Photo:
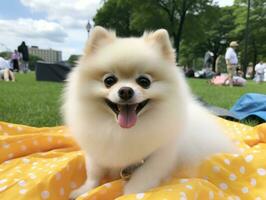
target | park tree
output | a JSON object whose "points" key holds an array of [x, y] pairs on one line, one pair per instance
{"points": [[194, 26], [174, 14], [212, 30], [133, 16], [115, 14], [33, 59], [5, 54], [256, 31], [73, 59], [219, 32]]}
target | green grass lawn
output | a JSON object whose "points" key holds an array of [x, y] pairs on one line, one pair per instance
{"points": [[30, 102], [223, 96], [36, 103]]}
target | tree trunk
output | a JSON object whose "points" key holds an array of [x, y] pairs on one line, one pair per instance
{"points": [[178, 35], [215, 55], [177, 46], [255, 57], [215, 52]]}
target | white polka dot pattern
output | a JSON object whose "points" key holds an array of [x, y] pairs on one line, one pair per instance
{"points": [[140, 196], [61, 170]]}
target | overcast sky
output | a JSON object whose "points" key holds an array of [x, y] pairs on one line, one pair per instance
{"points": [[56, 24]]}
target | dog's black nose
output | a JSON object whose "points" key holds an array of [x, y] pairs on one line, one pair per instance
{"points": [[126, 93]]}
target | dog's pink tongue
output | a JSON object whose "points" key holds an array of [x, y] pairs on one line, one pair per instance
{"points": [[127, 116]]}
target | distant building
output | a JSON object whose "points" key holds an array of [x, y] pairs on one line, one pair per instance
{"points": [[48, 55]]}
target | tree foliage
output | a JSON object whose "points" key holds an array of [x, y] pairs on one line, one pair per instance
{"points": [[72, 60], [212, 30], [33, 60], [5, 54], [134, 16], [195, 26], [257, 29], [115, 14]]}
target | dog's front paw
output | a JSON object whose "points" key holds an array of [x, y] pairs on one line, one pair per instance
{"points": [[131, 189], [136, 185], [89, 185]]}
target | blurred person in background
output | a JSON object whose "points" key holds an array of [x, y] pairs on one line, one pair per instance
{"points": [[259, 70], [23, 49], [5, 72], [231, 61], [15, 60]]}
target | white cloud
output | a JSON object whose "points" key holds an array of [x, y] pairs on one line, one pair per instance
{"points": [[43, 34], [62, 28], [29, 28], [69, 13]]}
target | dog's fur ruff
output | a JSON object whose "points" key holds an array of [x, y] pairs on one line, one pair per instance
{"points": [[171, 130]]}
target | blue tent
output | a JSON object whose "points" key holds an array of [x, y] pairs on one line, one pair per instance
{"points": [[250, 104]]}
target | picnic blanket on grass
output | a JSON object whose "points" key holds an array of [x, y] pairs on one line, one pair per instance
{"points": [[250, 104], [45, 163]]}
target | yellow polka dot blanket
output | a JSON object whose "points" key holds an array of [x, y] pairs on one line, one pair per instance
{"points": [[46, 163]]}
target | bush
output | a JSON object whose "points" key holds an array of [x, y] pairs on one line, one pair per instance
{"points": [[72, 60], [5, 54], [33, 60]]}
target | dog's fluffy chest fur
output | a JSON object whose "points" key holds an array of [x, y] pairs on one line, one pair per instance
{"points": [[118, 148]]}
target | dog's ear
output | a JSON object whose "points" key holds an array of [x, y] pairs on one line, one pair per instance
{"points": [[162, 40], [98, 38]]}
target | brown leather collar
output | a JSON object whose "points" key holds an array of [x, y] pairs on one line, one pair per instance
{"points": [[126, 172]]}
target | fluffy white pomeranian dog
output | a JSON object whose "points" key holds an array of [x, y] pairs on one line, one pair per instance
{"points": [[126, 101]]}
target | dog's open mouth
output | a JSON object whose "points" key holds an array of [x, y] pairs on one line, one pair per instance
{"points": [[126, 113]]}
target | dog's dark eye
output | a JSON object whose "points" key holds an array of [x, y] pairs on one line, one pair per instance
{"points": [[143, 82], [110, 80]]}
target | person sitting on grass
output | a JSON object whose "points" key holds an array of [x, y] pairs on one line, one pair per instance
{"points": [[5, 72], [224, 80]]}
